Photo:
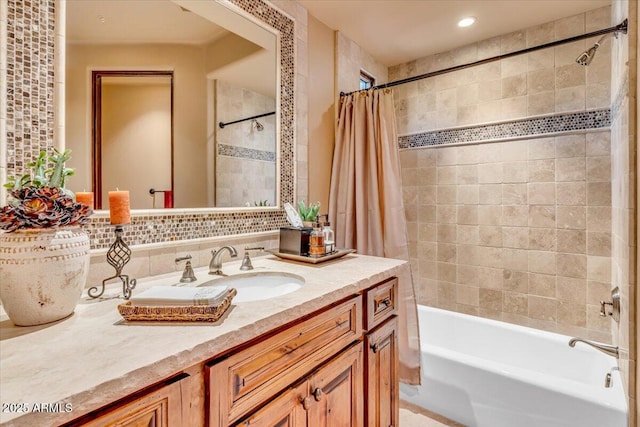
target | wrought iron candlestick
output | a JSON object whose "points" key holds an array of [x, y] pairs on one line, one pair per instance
{"points": [[118, 256]]}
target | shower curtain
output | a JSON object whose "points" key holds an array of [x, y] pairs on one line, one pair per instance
{"points": [[365, 202]]}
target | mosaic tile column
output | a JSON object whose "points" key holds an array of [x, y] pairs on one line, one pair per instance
{"points": [[29, 81]]}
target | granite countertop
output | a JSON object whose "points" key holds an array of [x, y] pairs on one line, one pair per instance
{"points": [[94, 357]]}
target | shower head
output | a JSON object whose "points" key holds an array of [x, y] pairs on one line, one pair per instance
{"points": [[259, 126], [586, 57]]}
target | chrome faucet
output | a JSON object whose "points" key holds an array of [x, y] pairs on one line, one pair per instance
{"points": [[246, 261], [606, 349], [215, 266]]}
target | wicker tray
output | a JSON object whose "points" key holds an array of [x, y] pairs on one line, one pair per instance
{"points": [[191, 313]]}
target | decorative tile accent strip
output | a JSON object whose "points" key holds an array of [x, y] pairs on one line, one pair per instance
{"points": [[518, 128], [246, 153], [30, 126]]}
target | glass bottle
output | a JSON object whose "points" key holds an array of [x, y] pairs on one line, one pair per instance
{"points": [[329, 240], [316, 241]]}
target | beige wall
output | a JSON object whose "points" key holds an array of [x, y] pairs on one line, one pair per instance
{"points": [[321, 111], [190, 90]]}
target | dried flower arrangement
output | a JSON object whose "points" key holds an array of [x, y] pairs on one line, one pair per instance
{"points": [[40, 200]]}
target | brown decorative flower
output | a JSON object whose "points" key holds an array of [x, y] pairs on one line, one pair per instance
{"points": [[39, 200]]}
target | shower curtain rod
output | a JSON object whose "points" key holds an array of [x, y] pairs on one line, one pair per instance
{"points": [[622, 27], [222, 125]]}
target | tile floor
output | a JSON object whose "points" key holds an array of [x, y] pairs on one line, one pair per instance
{"points": [[414, 416]]}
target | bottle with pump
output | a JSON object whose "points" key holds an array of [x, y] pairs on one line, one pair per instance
{"points": [[316, 241], [329, 239]]}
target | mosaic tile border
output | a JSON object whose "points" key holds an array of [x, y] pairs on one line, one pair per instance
{"points": [[30, 55], [596, 119], [246, 153]]}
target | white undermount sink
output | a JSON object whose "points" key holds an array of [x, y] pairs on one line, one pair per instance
{"points": [[259, 285]]}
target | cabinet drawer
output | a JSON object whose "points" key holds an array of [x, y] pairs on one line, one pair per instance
{"points": [[252, 376], [381, 303]]}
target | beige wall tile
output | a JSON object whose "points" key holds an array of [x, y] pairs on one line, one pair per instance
{"points": [[572, 314], [570, 146], [542, 216], [515, 237], [599, 193], [467, 275], [514, 86], [571, 169], [543, 285], [572, 241], [598, 144], [490, 278], [490, 299], [571, 290], [540, 59], [543, 308], [542, 262], [514, 194], [446, 272], [467, 174], [599, 168], [446, 252], [468, 194], [571, 217], [489, 173], [599, 268], [515, 303], [542, 239], [599, 218], [427, 195], [542, 148], [571, 99], [426, 176], [572, 265], [468, 234], [447, 194], [599, 243], [467, 295], [489, 214], [467, 214], [490, 235], [541, 80], [542, 170], [446, 233], [542, 193], [490, 194], [515, 281], [515, 215], [571, 193], [515, 172], [569, 76], [515, 259]]}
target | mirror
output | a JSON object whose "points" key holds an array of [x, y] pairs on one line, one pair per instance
{"points": [[222, 144]]}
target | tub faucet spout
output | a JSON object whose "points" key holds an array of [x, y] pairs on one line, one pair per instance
{"points": [[606, 349]]}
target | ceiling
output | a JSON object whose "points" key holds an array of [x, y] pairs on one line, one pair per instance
{"points": [[125, 21], [398, 31]]}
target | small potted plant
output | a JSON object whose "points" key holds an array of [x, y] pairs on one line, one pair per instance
{"points": [[44, 253], [308, 214]]}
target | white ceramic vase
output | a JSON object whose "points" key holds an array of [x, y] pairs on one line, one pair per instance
{"points": [[42, 273]]}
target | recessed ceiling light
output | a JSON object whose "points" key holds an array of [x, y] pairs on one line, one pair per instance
{"points": [[466, 22]]}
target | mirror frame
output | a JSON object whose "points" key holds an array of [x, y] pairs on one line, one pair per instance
{"points": [[158, 225]]}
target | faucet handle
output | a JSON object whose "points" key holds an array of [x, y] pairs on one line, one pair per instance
{"points": [[614, 303], [246, 261], [188, 275]]}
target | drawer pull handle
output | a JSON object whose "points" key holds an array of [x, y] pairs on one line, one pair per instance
{"points": [[386, 301], [306, 403], [317, 394], [377, 346]]}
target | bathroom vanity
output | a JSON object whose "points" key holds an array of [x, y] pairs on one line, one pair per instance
{"points": [[326, 354]]}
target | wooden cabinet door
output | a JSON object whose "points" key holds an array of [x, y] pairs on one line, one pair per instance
{"points": [[336, 391], [287, 410], [160, 408], [381, 376]]}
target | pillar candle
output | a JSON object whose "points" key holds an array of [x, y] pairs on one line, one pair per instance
{"points": [[119, 209], [85, 197]]}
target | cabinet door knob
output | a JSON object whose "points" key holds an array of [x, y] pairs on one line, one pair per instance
{"points": [[306, 403], [317, 394]]}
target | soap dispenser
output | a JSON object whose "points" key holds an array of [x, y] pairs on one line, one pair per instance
{"points": [[329, 238], [316, 241]]}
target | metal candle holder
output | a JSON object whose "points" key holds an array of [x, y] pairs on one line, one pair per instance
{"points": [[118, 256]]}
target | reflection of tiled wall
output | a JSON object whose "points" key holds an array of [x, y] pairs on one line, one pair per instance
{"points": [[516, 224], [245, 158], [623, 161], [31, 24]]}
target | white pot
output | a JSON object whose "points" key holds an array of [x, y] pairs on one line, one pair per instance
{"points": [[42, 273]]}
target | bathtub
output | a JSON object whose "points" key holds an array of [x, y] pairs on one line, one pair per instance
{"points": [[486, 373]]}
